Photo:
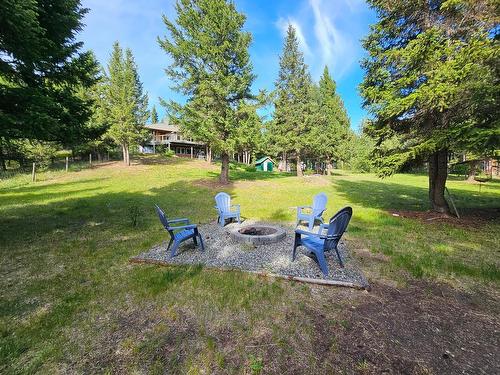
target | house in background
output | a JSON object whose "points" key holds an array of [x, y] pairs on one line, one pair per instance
{"points": [[170, 136], [265, 164]]}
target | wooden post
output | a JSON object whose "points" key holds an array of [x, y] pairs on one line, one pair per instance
{"points": [[67, 163], [33, 174], [90, 160], [191, 152]]}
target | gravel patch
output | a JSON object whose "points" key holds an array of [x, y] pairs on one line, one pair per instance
{"points": [[274, 259]]}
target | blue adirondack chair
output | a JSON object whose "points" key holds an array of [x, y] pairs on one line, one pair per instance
{"points": [[318, 243], [314, 212], [179, 233], [225, 209]]}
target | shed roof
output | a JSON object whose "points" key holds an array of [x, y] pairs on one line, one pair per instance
{"points": [[263, 159]]}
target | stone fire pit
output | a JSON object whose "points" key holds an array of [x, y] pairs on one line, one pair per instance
{"points": [[232, 247], [258, 234]]}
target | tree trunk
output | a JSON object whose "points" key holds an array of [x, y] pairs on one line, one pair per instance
{"points": [[124, 155], [224, 171], [3, 165], [209, 154], [300, 173], [329, 167], [473, 166], [438, 172], [285, 161]]}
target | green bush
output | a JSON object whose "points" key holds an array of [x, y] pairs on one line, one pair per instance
{"points": [[42, 153], [459, 169], [62, 154], [168, 153]]}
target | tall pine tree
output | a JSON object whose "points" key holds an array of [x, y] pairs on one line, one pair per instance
{"points": [[154, 115], [293, 115], [432, 81], [126, 101], [41, 70], [211, 67], [331, 130]]}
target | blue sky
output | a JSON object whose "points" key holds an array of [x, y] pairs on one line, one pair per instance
{"points": [[329, 33]]}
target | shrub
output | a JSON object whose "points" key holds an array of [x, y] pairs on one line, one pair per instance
{"points": [[42, 153], [169, 153], [135, 214], [461, 169], [62, 154]]}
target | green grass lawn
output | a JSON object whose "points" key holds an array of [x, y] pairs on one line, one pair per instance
{"points": [[71, 301]]}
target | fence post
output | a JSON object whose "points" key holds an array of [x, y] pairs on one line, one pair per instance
{"points": [[90, 160], [67, 163], [33, 174]]}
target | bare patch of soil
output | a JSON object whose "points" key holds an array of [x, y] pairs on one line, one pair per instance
{"points": [[420, 329], [424, 328], [468, 217], [212, 183]]}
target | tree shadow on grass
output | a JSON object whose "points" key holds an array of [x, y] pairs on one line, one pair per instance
{"points": [[38, 188], [383, 195], [393, 196], [112, 210]]}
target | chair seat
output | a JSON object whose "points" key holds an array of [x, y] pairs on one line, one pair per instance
{"points": [[183, 234], [313, 243], [308, 216]]}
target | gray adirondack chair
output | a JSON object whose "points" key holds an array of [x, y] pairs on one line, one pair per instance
{"points": [[318, 243], [314, 212], [179, 233], [225, 209]]}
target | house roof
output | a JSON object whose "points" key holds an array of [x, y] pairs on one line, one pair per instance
{"points": [[163, 126], [263, 159]]}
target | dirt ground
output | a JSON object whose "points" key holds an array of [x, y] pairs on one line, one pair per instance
{"points": [[468, 217], [421, 328]]}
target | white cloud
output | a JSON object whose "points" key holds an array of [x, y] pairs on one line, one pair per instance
{"points": [[337, 49], [332, 32], [282, 24]]}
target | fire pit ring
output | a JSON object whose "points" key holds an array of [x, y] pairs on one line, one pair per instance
{"points": [[258, 234]]}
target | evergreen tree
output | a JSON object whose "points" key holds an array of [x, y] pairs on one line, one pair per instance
{"points": [[154, 115], [432, 81], [126, 102], [293, 115], [211, 67], [41, 69], [98, 124], [250, 128], [331, 131]]}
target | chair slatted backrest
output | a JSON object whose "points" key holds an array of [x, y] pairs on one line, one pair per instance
{"points": [[223, 202], [337, 227], [164, 220], [319, 204]]}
